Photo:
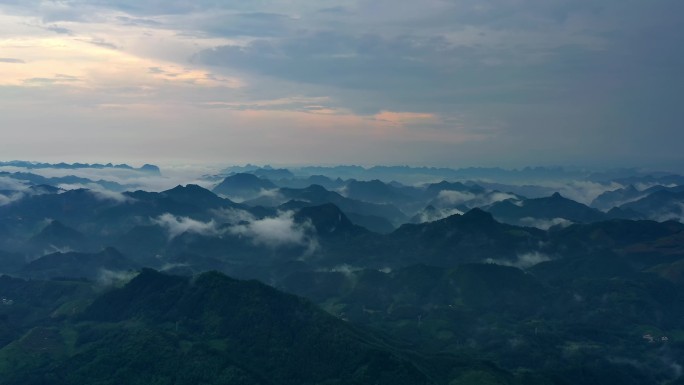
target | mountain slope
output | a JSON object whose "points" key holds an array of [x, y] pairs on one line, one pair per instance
{"points": [[170, 330], [77, 265], [555, 206], [243, 186], [472, 237]]}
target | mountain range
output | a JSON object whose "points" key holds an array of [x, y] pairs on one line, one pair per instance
{"points": [[186, 285]]}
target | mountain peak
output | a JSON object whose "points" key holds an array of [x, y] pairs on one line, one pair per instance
{"points": [[316, 188], [150, 168], [58, 233], [478, 215], [189, 188], [243, 185], [326, 218], [189, 193]]}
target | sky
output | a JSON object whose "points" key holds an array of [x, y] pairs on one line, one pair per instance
{"points": [[433, 82]]}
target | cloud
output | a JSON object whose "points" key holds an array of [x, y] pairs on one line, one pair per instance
{"points": [[295, 102], [582, 191], [524, 261], [12, 184], [455, 197], [522, 82], [672, 212], [401, 118], [232, 216], [170, 266], [14, 190], [176, 226], [273, 232], [281, 230], [102, 43], [9, 198], [108, 278], [450, 197], [242, 24], [273, 196], [11, 60], [99, 192], [578, 190], [347, 270], [437, 214], [497, 196], [545, 224], [55, 249], [676, 369], [364, 62], [108, 195], [59, 30], [172, 176]]}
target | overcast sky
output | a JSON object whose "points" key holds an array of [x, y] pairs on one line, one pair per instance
{"points": [[432, 82]]}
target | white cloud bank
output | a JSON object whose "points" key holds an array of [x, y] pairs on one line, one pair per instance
{"points": [[179, 225], [278, 231], [281, 230], [449, 197], [524, 261], [545, 224]]}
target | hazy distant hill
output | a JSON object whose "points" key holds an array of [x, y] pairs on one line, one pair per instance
{"points": [[148, 168], [555, 206], [57, 236], [375, 191], [474, 236], [315, 195], [78, 265], [659, 205], [243, 186], [615, 198]]}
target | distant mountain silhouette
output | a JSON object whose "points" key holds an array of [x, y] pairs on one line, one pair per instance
{"points": [[375, 191], [196, 195], [432, 190], [242, 185], [273, 174], [327, 219], [78, 265], [57, 235], [660, 205], [555, 206], [614, 198], [471, 237], [319, 195]]}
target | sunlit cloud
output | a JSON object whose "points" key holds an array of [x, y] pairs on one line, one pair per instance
{"points": [[91, 56], [402, 118]]}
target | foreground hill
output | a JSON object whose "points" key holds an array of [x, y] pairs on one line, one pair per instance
{"points": [[580, 320], [165, 329]]}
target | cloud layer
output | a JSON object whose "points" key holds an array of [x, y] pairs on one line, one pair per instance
{"points": [[281, 230], [179, 225], [434, 82], [278, 231]]}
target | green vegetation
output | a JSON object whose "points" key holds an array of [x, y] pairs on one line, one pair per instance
{"points": [[161, 329]]}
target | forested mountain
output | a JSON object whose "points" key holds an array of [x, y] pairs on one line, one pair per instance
{"points": [[484, 286]]}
